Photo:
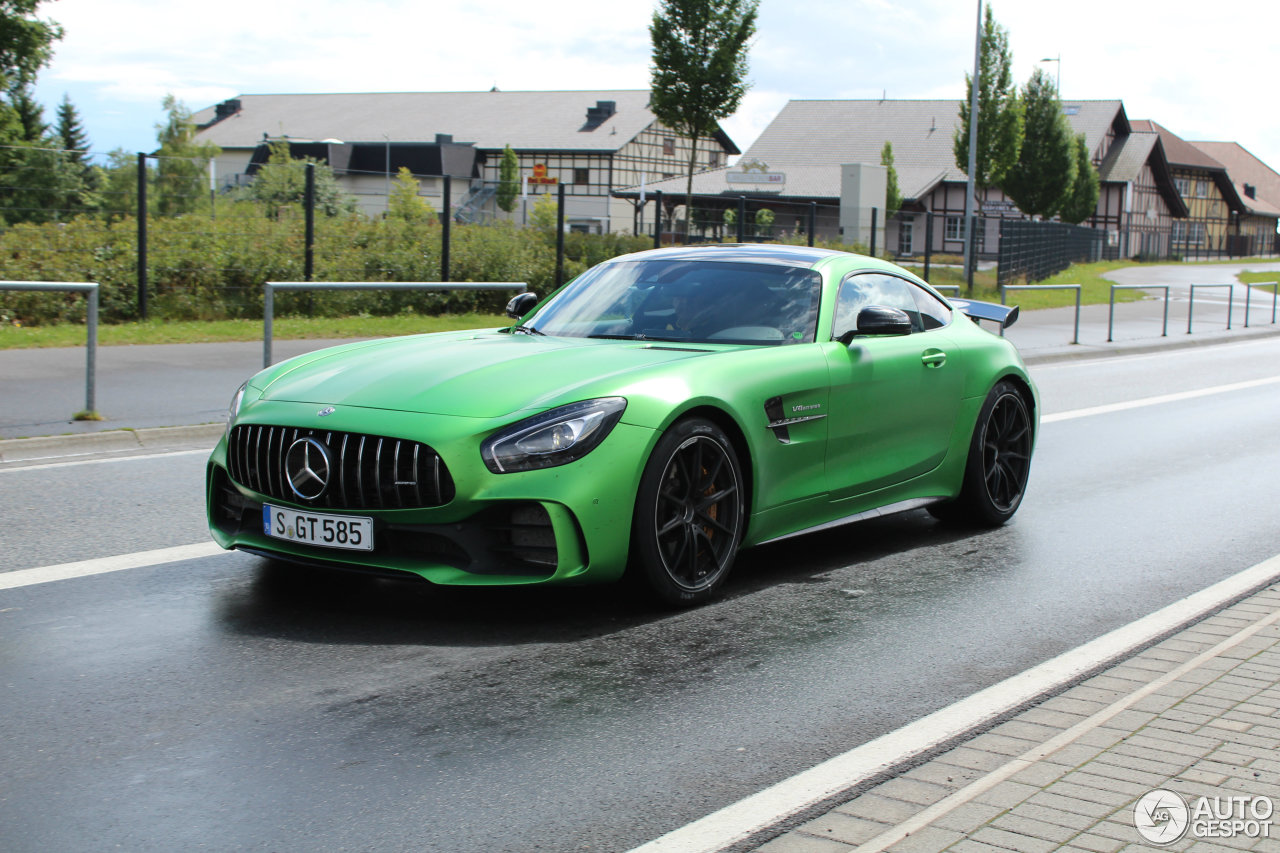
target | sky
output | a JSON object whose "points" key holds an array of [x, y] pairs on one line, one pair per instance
{"points": [[1201, 77]]}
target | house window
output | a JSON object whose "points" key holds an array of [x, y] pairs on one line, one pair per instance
{"points": [[1184, 187], [1202, 189], [904, 237], [581, 177], [1179, 231], [955, 228], [669, 146], [713, 159]]}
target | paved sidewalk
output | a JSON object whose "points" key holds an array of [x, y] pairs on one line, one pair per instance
{"points": [[1195, 715]]}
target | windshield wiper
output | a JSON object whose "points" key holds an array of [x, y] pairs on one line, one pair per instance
{"points": [[618, 337], [528, 330]]}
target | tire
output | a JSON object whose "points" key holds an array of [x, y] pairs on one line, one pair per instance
{"points": [[995, 476], [689, 515]]}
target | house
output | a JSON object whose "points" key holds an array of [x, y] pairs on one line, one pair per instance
{"points": [[1213, 204], [809, 141], [589, 142], [1258, 187]]}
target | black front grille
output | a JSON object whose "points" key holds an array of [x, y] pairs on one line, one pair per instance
{"points": [[363, 471]]}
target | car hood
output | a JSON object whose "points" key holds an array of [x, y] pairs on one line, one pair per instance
{"points": [[481, 375]]}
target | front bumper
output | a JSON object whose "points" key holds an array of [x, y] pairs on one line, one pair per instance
{"points": [[571, 523]]}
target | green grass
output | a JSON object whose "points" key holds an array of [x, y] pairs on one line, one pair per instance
{"points": [[284, 328], [1095, 290]]}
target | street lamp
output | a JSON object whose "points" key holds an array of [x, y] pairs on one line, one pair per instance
{"points": [[1057, 81]]}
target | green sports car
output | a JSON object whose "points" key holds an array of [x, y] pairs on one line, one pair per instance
{"points": [[653, 416]]}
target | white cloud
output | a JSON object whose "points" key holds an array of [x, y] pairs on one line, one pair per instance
{"points": [[1200, 77]]}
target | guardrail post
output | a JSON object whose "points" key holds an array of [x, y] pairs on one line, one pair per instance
{"points": [[1077, 288], [268, 321], [1164, 328], [90, 289], [1076, 338], [91, 357]]}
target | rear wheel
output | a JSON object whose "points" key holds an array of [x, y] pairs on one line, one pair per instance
{"points": [[689, 514], [999, 463]]}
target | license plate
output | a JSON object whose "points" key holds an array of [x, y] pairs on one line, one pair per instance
{"points": [[352, 532]]}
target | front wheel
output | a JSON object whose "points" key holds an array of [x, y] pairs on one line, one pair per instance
{"points": [[689, 515], [999, 462]]}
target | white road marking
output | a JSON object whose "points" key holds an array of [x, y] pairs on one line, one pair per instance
{"points": [[828, 780], [1156, 401], [102, 565], [26, 577], [17, 464]]}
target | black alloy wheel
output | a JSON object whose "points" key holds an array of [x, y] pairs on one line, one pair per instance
{"points": [[998, 464], [1006, 452], [689, 513]]}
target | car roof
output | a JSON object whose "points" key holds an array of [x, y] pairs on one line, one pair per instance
{"points": [[767, 253]]}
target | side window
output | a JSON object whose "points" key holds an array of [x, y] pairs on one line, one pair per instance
{"points": [[863, 289], [933, 313]]}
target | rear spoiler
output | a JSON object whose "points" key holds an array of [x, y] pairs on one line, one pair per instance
{"points": [[1005, 315]]}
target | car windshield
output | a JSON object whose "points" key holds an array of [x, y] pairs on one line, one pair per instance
{"points": [[694, 301]]}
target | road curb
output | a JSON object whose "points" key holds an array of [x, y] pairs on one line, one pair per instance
{"points": [[1080, 352], [758, 817], [109, 441]]}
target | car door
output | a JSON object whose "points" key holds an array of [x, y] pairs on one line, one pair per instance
{"points": [[894, 398]]}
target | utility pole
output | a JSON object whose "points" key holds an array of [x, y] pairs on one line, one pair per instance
{"points": [[969, 202]]}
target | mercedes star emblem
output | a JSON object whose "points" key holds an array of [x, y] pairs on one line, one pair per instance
{"points": [[307, 466]]}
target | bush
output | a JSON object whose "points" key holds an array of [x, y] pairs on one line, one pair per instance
{"points": [[203, 267]]}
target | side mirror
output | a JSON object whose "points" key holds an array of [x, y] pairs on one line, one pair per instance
{"points": [[879, 320], [521, 305]]}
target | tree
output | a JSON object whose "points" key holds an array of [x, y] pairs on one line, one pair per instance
{"points": [[1082, 201], [764, 222], [699, 70], [545, 214], [281, 184], [119, 183], [508, 180], [35, 129], [405, 203], [1042, 178], [182, 172], [999, 111], [71, 133], [892, 195], [26, 42]]}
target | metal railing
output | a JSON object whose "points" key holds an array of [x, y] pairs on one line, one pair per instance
{"points": [[1191, 303], [1004, 288], [1275, 297], [1111, 312], [269, 289], [90, 289]]}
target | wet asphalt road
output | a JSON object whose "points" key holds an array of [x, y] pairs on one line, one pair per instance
{"points": [[224, 704]]}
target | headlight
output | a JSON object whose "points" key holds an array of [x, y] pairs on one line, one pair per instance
{"points": [[552, 438], [234, 408]]}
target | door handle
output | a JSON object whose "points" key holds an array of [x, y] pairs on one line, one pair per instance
{"points": [[933, 358]]}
